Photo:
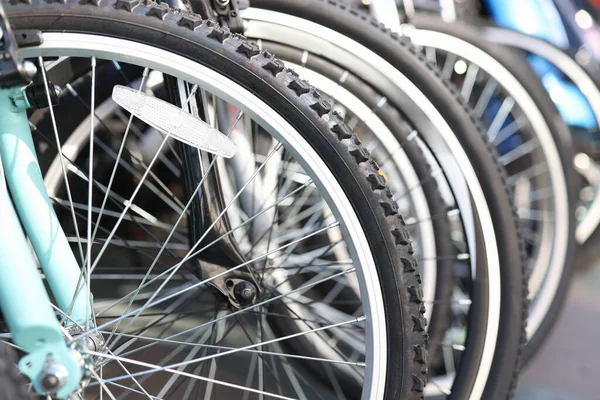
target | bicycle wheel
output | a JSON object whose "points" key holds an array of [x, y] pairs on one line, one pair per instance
{"points": [[454, 292], [423, 226], [388, 64], [407, 170], [535, 148], [290, 123], [588, 207], [422, 191]]}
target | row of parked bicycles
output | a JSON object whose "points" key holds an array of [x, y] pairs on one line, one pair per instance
{"points": [[388, 208]]}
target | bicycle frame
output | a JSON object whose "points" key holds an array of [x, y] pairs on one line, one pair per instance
{"points": [[24, 301]]}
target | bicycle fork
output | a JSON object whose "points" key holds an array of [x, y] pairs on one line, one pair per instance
{"points": [[51, 364]]}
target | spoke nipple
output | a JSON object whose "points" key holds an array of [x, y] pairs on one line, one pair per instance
{"points": [[360, 319], [71, 90], [334, 224], [351, 270]]}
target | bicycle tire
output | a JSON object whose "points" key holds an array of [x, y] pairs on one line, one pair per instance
{"points": [[587, 83], [560, 135], [391, 117], [405, 58]]}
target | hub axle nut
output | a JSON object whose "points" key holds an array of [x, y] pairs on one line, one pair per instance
{"points": [[53, 377], [244, 292]]}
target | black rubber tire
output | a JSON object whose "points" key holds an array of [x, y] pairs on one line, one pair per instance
{"points": [[588, 251], [395, 122], [13, 385], [402, 55], [156, 25], [519, 68]]}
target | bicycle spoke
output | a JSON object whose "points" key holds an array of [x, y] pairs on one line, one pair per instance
{"points": [[156, 368], [448, 65], [115, 198], [192, 343], [335, 383], [140, 136], [115, 384], [118, 157], [430, 54], [485, 97], [122, 242], [59, 147], [168, 330], [514, 127], [498, 121], [179, 219], [137, 188], [431, 177], [88, 267], [159, 301], [153, 323], [534, 215], [169, 368], [523, 150], [529, 173], [166, 195], [102, 384], [144, 392], [469, 82], [161, 275], [265, 302], [189, 356]]}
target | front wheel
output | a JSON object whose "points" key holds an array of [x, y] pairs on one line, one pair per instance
{"points": [[154, 305]]}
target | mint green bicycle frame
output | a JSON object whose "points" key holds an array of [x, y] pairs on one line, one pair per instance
{"points": [[24, 301]]}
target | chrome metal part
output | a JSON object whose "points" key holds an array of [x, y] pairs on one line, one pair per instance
{"points": [[53, 376]]}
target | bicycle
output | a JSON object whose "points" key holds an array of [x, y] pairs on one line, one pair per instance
{"points": [[302, 148], [326, 34]]}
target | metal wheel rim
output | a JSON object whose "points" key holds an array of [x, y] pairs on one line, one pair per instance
{"points": [[82, 45], [318, 39], [548, 269]]}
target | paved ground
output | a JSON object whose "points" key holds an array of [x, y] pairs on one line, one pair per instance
{"points": [[567, 367]]}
